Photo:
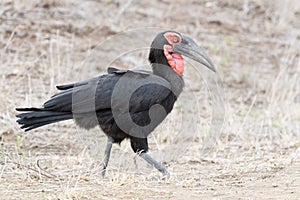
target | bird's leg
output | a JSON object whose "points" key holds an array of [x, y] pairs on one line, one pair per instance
{"points": [[140, 146], [156, 164], [106, 155]]}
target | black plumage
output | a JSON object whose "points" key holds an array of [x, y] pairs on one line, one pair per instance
{"points": [[112, 99]]}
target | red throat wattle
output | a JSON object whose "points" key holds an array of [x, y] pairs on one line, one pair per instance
{"points": [[175, 60]]}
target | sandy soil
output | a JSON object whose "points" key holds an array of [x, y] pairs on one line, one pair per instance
{"points": [[255, 46]]}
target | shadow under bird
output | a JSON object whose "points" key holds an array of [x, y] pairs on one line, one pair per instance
{"points": [[124, 103]]}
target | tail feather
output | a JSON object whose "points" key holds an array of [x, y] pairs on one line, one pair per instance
{"points": [[60, 100], [32, 121], [37, 117], [57, 108], [38, 114], [29, 109], [72, 85]]}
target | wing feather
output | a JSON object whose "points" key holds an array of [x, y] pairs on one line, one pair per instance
{"points": [[96, 94]]}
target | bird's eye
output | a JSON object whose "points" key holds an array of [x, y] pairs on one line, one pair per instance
{"points": [[175, 39]]}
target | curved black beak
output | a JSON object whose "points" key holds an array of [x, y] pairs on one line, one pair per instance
{"points": [[189, 48]]}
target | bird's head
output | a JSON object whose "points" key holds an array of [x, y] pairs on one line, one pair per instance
{"points": [[168, 48]]}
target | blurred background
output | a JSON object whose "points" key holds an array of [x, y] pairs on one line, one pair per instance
{"points": [[255, 46]]}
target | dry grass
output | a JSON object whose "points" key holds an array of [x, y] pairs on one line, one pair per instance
{"points": [[255, 45]]}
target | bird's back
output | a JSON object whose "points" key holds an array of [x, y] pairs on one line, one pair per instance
{"points": [[134, 101]]}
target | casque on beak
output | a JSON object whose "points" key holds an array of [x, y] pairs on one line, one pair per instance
{"points": [[190, 49]]}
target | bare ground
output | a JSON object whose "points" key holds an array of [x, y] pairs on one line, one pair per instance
{"points": [[255, 46]]}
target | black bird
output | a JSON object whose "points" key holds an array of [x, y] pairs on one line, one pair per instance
{"points": [[125, 103]]}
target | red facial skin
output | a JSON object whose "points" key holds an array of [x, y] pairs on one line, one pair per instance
{"points": [[175, 60]]}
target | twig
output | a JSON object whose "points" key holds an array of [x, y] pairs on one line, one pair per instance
{"points": [[2, 171], [29, 168], [38, 165], [122, 10]]}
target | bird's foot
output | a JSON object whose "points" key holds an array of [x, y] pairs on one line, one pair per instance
{"points": [[98, 169], [160, 167], [166, 174], [103, 170]]}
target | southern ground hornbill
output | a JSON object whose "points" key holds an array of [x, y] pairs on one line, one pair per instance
{"points": [[125, 103]]}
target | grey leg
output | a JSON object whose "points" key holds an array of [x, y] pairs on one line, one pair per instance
{"points": [[106, 155], [156, 164]]}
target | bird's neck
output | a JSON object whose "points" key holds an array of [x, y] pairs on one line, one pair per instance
{"points": [[170, 75]]}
